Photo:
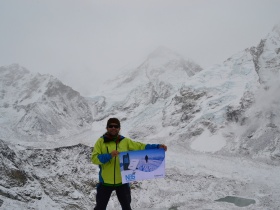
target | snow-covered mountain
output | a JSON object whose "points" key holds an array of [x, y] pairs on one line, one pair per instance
{"points": [[38, 107], [158, 77], [221, 126], [266, 56], [161, 66], [139, 94], [169, 97], [259, 130]]}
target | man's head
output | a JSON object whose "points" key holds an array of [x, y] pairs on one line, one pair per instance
{"points": [[113, 121], [113, 126]]}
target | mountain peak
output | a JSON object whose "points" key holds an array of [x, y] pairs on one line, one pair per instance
{"points": [[163, 62], [39, 105], [276, 28], [163, 52], [14, 68]]}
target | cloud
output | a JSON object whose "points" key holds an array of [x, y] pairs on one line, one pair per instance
{"points": [[85, 42]]}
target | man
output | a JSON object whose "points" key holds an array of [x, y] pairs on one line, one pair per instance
{"points": [[105, 154], [146, 158]]}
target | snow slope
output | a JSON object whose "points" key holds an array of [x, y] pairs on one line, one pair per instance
{"points": [[39, 107]]}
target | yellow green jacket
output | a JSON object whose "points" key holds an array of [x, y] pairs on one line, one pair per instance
{"points": [[110, 173]]}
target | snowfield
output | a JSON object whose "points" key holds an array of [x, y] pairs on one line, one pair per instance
{"points": [[194, 180]]}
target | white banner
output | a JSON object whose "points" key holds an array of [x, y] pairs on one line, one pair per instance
{"points": [[142, 164]]}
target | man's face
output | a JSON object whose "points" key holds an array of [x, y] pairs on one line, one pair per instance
{"points": [[113, 129]]}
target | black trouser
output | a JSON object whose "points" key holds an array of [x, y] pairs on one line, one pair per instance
{"points": [[104, 193]]}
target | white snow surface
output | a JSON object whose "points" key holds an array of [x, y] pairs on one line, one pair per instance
{"points": [[208, 142], [220, 125]]}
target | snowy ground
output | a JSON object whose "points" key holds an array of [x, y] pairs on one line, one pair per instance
{"points": [[194, 180]]}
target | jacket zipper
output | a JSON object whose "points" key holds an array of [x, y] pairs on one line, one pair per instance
{"points": [[108, 153], [115, 167]]}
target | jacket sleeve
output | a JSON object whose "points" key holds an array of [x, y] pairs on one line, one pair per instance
{"points": [[97, 157], [152, 146], [134, 145]]}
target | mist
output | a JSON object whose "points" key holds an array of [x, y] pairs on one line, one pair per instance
{"points": [[84, 43]]}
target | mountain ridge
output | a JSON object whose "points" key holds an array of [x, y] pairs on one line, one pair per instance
{"points": [[214, 99], [39, 106]]}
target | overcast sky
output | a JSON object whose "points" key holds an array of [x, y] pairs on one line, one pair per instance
{"points": [[84, 42]]}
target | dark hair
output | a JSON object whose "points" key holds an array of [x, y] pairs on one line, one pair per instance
{"points": [[113, 120]]}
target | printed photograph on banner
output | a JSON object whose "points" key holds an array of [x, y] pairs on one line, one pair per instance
{"points": [[142, 165]]}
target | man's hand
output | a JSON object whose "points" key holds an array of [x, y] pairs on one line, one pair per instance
{"points": [[163, 146], [114, 153]]}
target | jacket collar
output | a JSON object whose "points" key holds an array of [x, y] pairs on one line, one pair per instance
{"points": [[108, 138]]}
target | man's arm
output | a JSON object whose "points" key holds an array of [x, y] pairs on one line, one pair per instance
{"points": [[156, 146], [97, 157], [133, 145]]}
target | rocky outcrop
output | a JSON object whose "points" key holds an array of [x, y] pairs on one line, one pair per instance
{"points": [[183, 107], [65, 175]]}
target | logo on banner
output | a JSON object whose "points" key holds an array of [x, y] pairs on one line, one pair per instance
{"points": [[130, 177]]}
